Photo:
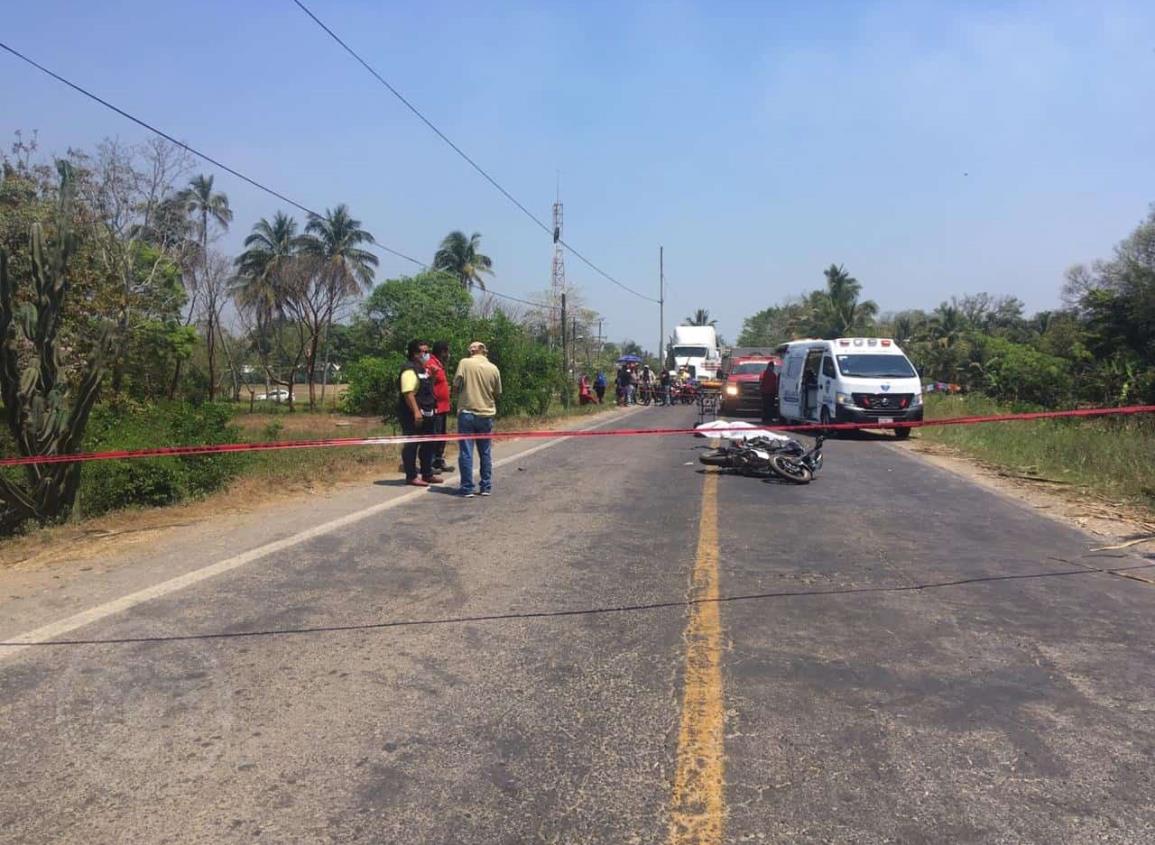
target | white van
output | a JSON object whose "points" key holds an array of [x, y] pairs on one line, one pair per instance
{"points": [[850, 379]]}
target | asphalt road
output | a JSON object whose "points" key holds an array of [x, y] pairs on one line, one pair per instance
{"points": [[894, 655]]}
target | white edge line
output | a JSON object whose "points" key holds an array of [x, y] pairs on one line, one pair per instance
{"points": [[15, 645]]}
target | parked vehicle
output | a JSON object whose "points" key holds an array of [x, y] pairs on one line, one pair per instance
{"points": [[741, 387], [696, 349], [849, 380], [731, 355]]}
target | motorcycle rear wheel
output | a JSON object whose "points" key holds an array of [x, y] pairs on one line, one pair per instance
{"points": [[790, 470], [717, 458]]}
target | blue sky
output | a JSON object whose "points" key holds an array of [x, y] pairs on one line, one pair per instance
{"points": [[932, 148]]}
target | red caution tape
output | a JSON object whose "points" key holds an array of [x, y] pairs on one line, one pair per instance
{"points": [[226, 448]]}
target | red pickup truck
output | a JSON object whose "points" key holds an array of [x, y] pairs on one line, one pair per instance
{"points": [[742, 386]]}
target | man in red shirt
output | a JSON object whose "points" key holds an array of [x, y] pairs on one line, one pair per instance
{"points": [[436, 368]]}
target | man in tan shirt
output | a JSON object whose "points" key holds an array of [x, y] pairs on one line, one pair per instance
{"points": [[477, 385]]}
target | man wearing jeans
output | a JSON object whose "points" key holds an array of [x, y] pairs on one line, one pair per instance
{"points": [[416, 406], [478, 384]]}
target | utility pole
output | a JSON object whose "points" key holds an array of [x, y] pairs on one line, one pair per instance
{"points": [[661, 308], [564, 356]]}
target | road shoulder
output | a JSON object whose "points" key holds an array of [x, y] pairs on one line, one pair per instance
{"points": [[1110, 523]]}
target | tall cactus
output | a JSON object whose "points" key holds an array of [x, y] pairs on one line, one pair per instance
{"points": [[44, 416]]}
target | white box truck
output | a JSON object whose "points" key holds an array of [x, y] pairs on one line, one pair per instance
{"points": [[849, 379], [696, 349]]}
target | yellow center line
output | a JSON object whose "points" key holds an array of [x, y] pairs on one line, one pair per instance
{"points": [[697, 806]]}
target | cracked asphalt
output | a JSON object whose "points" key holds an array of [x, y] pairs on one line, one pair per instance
{"points": [[869, 696]]}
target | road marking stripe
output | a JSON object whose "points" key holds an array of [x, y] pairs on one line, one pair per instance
{"points": [[13, 645], [697, 807]]}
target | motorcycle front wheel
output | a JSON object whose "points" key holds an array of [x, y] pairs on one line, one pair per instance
{"points": [[790, 470]]}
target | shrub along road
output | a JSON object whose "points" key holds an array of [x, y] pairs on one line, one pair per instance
{"points": [[846, 685]]}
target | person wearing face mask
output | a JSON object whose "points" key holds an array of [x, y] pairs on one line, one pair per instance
{"points": [[416, 406]]}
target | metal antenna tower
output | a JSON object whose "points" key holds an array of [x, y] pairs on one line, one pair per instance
{"points": [[558, 278]]}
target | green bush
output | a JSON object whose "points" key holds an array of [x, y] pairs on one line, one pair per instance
{"points": [[530, 372], [373, 386], [1014, 372], [144, 482]]}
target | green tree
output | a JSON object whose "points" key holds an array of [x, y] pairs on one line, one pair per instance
{"points": [[260, 287], [1014, 372], [837, 311], [333, 245], [431, 306], [774, 325], [462, 257], [337, 241], [267, 248], [701, 317], [206, 207]]}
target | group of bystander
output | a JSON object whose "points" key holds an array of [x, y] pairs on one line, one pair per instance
{"points": [[424, 405]]}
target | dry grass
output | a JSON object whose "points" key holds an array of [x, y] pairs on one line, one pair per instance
{"points": [[1111, 458]]}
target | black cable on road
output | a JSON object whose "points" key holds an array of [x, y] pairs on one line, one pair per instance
{"points": [[218, 163], [481, 170], [680, 604]]}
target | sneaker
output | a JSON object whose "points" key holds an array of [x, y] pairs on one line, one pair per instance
{"points": [[486, 492], [417, 482], [466, 494], [435, 479]]}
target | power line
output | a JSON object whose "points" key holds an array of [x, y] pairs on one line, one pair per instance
{"points": [[433, 127], [217, 163]]}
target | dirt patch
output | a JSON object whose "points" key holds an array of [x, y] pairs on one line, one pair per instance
{"points": [[1120, 525]]}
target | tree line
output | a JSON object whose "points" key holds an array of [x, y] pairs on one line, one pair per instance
{"points": [[119, 303], [1098, 348]]}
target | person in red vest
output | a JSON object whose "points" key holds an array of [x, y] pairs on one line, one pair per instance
{"points": [[438, 361]]}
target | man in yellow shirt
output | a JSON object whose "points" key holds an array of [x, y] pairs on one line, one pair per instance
{"points": [[477, 385], [416, 405]]}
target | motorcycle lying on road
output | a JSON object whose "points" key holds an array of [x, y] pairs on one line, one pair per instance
{"points": [[764, 454]]}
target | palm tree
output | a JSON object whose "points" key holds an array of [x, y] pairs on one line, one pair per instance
{"points": [[840, 312], [203, 205], [701, 317], [460, 256], [945, 326], [335, 243], [904, 328], [336, 240], [267, 248]]}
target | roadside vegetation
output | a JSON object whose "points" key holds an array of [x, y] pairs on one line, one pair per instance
{"points": [[1111, 457], [123, 325]]}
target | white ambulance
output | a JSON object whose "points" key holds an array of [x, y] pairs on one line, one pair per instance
{"points": [[849, 379]]}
